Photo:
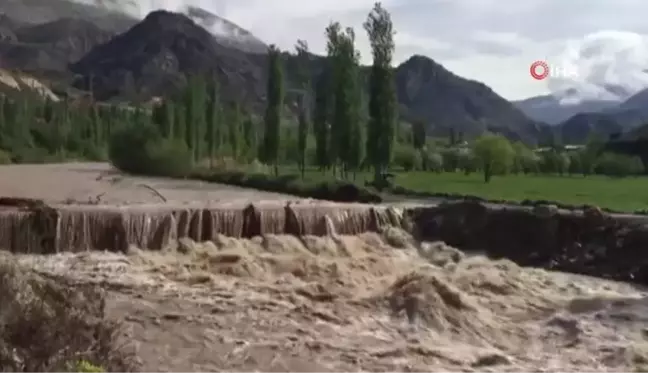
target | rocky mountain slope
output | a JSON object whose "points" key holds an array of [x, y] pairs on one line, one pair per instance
{"points": [[428, 90], [154, 56]]}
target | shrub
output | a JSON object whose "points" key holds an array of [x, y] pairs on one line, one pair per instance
{"points": [[127, 148], [168, 158], [338, 191], [47, 326], [83, 366], [407, 158], [140, 149], [432, 161]]}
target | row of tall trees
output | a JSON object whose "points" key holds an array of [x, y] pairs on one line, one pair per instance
{"points": [[37, 130], [207, 125], [350, 129]]}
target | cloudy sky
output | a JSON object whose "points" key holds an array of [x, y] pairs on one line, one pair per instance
{"points": [[493, 41]]}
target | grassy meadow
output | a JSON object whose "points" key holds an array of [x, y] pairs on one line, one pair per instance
{"points": [[623, 194]]}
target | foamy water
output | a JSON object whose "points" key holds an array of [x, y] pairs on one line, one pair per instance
{"points": [[327, 303]]}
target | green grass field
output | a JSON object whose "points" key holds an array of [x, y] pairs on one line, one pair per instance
{"points": [[626, 194]]}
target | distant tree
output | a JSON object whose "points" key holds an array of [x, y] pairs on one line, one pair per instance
{"points": [[431, 161], [275, 87], [234, 130], [167, 119], [338, 123], [195, 101], [250, 136], [575, 163], [358, 129], [213, 123], [618, 165], [304, 103], [418, 134], [321, 125], [524, 160], [494, 154], [407, 158], [382, 91]]}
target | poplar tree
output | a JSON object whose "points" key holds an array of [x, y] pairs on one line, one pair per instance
{"points": [[234, 130], [418, 134], [304, 103], [275, 101], [334, 62], [213, 123], [321, 111], [382, 92], [345, 129], [250, 137]]}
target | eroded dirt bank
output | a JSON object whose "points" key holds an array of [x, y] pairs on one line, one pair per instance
{"points": [[281, 303], [587, 242]]}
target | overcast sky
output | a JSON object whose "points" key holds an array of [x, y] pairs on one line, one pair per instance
{"points": [[493, 41]]}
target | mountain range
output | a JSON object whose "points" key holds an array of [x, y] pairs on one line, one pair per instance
{"points": [[574, 119], [72, 46]]}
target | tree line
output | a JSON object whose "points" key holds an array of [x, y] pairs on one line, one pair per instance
{"points": [[493, 155]]}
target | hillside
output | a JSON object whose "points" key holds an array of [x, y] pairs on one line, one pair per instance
{"points": [[154, 56], [49, 46], [428, 90], [14, 83], [577, 129]]}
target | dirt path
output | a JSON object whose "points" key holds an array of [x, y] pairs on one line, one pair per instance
{"points": [[85, 182]]}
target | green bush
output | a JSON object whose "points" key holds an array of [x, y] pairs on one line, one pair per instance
{"points": [[140, 149], [168, 158], [432, 161], [127, 147], [407, 158], [84, 366]]}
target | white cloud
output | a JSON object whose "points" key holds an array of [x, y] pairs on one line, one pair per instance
{"points": [[493, 41]]}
